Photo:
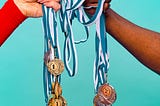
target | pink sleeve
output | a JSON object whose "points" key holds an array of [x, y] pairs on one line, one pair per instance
{"points": [[10, 18]]}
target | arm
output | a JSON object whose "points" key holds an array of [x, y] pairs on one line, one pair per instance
{"points": [[14, 12], [10, 18], [144, 44]]}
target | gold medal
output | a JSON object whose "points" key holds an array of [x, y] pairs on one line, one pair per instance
{"points": [[106, 95], [56, 96], [63, 101], [55, 67], [57, 102]]}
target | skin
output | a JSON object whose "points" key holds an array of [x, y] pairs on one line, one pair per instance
{"points": [[142, 43], [33, 8]]}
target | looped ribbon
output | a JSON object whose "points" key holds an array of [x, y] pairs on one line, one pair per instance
{"points": [[71, 9], [68, 12], [101, 64]]}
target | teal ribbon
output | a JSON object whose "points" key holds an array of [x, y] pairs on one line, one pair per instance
{"points": [[70, 10]]}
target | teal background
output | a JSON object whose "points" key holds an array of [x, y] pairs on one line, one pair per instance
{"points": [[21, 61]]}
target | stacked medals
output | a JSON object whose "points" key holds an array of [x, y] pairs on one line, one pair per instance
{"points": [[53, 66]]}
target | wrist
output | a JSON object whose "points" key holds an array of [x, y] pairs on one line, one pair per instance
{"points": [[19, 6]]}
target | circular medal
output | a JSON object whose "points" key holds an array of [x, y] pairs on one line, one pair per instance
{"points": [[106, 95], [57, 102], [64, 103], [55, 67]]}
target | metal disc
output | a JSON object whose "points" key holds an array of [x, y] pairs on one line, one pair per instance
{"points": [[55, 67], [106, 95]]}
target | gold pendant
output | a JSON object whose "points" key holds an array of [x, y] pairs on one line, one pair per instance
{"points": [[55, 66]]}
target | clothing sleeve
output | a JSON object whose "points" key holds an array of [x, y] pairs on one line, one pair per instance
{"points": [[10, 18]]}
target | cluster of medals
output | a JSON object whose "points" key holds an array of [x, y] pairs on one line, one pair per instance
{"points": [[55, 67], [106, 94]]}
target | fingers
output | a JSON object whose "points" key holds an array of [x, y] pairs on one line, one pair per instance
{"points": [[51, 3], [107, 1], [106, 6], [56, 6]]}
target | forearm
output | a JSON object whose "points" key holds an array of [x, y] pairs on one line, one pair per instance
{"points": [[142, 43], [10, 19]]}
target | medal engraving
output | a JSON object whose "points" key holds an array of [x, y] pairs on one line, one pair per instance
{"points": [[106, 95], [55, 67]]}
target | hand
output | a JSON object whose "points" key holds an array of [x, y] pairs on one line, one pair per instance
{"points": [[33, 8], [94, 3]]}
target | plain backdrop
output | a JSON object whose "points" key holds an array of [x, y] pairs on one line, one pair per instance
{"points": [[21, 63]]}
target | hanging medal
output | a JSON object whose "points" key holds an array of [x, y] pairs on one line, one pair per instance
{"points": [[55, 68], [105, 93]]}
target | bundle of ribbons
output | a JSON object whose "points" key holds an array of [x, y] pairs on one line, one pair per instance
{"points": [[53, 64]]}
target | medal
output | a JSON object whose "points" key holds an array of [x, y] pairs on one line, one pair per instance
{"points": [[55, 66], [57, 102], [56, 96], [106, 95]]}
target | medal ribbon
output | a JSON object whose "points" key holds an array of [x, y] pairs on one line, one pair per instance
{"points": [[70, 10], [51, 41], [73, 9], [51, 47], [101, 64]]}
